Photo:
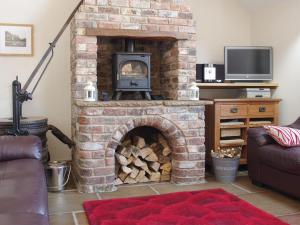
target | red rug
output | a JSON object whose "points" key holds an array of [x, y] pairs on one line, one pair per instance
{"points": [[210, 207]]}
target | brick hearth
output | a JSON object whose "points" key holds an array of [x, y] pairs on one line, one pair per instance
{"points": [[99, 127], [102, 125]]}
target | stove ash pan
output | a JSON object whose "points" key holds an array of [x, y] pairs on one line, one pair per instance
{"points": [[131, 72]]}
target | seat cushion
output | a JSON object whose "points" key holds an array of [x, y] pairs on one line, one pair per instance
{"points": [[23, 187], [281, 158], [23, 218]]}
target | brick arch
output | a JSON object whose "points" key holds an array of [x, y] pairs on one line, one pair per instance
{"points": [[172, 133]]}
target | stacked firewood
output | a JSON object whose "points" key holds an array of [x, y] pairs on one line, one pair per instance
{"points": [[139, 162]]}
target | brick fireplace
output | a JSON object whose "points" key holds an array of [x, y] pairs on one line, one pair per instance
{"points": [[164, 28]]}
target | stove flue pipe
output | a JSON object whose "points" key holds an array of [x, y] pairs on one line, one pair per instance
{"points": [[129, 45]]}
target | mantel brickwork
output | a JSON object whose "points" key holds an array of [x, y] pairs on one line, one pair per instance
{"points": [[97, 129], [179, 57]]}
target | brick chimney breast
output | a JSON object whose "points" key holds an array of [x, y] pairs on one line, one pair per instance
{"points": [[99, 127]]}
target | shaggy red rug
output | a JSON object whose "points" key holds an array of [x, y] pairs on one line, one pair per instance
{"points": [[210, 207]]}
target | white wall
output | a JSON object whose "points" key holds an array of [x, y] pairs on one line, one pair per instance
{"points": [[52, 98], [219, 23], [278, 24]]}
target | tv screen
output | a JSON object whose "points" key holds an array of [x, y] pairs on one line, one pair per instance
{"points": [[248, 63]]}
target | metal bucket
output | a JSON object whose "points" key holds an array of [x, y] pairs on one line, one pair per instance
{"points": [[57, 175], [225, 169]]}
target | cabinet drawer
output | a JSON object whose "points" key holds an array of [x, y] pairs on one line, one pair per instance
{"points": [[261, 110], [232, 110]]}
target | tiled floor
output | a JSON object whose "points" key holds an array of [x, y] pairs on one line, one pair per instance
{"points": [[66, 208]]}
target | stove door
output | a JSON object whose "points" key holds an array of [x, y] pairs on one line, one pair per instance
{"points": [[133, 69]]}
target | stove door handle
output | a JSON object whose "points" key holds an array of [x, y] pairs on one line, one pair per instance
{"points": [[132, 83]]}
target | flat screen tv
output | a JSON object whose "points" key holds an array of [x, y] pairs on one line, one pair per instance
{"points": [[248, 63]]}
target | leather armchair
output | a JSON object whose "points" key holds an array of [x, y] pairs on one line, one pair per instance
{"points": [[12, 148], [23, 190], [272, 164]]}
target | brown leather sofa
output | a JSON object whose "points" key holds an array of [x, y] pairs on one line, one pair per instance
{"points": [[271, 164], [23, 190]]}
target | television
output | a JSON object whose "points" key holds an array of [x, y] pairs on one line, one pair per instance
{"points": [[248, 63]]}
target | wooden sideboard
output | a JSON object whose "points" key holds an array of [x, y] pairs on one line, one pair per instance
{"points": [[228, 120]]}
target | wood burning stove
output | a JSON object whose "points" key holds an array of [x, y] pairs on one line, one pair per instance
{"points": [[131, 71]]}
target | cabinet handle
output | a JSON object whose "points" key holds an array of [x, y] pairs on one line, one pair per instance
{"points": [[234, 110], [262, 109]]}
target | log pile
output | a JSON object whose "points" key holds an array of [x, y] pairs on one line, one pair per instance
{"points": [[139, 162]]}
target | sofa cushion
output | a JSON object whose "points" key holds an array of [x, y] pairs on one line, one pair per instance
{"points": [[20, 147], [23, 218], [285, 136], [281, 158], [23, 187]]}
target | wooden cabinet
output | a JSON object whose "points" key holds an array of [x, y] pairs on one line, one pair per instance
{"points": [[228, 120]]}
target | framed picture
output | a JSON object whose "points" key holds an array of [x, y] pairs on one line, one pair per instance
{"points": [[16, 39]]}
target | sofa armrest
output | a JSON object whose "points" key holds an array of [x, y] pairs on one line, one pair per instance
{"points": [[259, 136], [22, 147], [296, 124]]}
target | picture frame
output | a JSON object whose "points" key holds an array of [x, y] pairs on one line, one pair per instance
{"points": [[16, 39]]}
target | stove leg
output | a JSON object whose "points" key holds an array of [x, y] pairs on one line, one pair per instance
{"points": [[147, 95], [118, 95]]}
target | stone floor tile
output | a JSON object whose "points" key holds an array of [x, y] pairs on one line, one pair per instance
{"points": [[67, 201], [273, 202], [245, 182], [291, 219], [210, 184], [61, 219], [81, 218], [71, 184], [129, 191]]}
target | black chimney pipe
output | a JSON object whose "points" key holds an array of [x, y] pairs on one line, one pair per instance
{"points": [[129, 45]]}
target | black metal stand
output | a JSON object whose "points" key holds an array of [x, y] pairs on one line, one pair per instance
{"points": [[18, 99], [117, 95], [20, 95]]}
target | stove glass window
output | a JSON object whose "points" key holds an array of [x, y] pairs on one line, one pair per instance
{"points": [[134, 69]]}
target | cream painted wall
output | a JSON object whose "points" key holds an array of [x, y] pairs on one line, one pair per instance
{"points": [[52, 98], [219, 23], [278, 24]]}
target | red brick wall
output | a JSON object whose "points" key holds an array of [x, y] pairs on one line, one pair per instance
{"points": [[178, 59], [98, 127], [101, 126]]}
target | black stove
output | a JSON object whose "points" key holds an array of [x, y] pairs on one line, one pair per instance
{"points": [[131, 71]]}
